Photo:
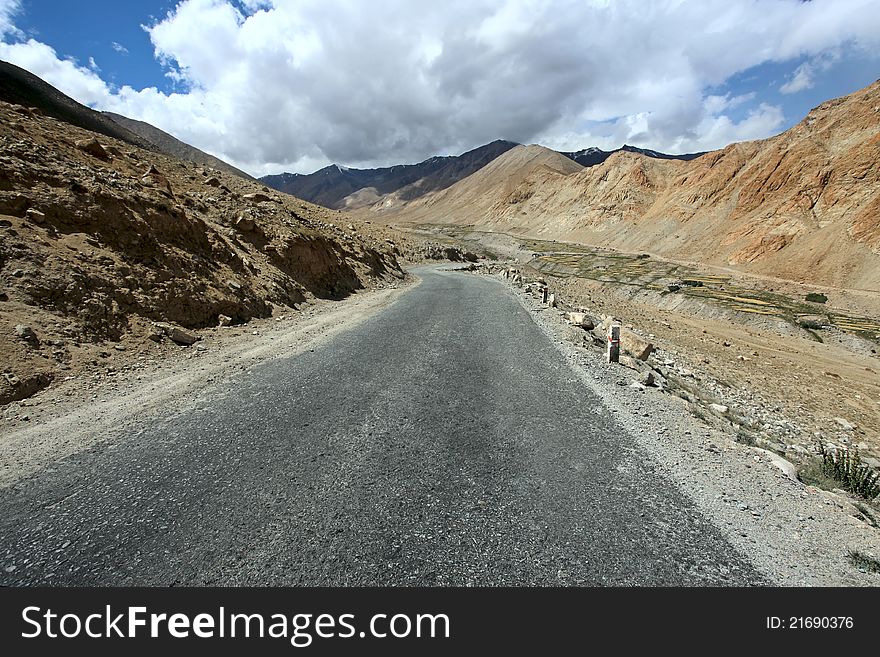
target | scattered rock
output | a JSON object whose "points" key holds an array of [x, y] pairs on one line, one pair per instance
{"points": [[257, 197], [213, 182], [93, 148], [845, 424], [177, 335], [35, 216], [26, 333], [719, 408], [245, 224]]}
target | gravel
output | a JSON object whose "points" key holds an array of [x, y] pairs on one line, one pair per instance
{"points": [[796, 535]]}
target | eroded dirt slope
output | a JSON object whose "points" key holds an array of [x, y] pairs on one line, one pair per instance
{"points": [[100, 239]]}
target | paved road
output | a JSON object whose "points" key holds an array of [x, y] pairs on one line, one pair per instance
{"points": [[422, 447]]}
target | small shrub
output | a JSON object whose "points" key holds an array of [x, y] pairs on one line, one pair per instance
{"points": [[816, 297], [867, 515], [864, 561], [745, 438], [846, 467]]}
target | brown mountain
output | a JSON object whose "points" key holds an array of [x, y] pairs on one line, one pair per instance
{"points": [[803, 205], [22, 87]]}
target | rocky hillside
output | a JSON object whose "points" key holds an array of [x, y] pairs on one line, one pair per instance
{"points": [[22, 87], [107, 246], [804, 205], [171, 145]]}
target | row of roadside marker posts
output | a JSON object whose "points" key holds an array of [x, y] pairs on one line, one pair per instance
{"points": [[612, 353]]}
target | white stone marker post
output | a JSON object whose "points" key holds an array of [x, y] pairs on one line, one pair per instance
{"points": [[613, 343]]}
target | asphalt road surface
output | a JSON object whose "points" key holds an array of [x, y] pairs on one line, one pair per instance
{"points": [[443, 441]]}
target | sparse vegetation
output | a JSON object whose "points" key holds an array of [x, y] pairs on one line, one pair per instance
{"points": [[816, 297], [864, 562], [867, 514], [845, 466], [745, 438]]}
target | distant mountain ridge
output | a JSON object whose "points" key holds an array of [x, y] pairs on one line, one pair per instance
{"points": [[590, 157], [343, 188], [22, 87], [334, 185]]}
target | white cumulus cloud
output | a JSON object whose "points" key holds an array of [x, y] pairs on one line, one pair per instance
{"points": [[295, 84]]}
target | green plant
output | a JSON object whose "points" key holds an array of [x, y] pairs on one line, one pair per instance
{"points": [[845, 466], [816, 297]]}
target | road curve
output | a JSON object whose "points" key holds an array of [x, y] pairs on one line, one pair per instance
{"points": [[443, 441]]}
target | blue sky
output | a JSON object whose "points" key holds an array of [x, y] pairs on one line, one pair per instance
{"points": [[91, 28], [292, 85]]}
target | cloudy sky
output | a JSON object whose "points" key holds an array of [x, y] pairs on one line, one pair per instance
{"points": [[292, 85]]}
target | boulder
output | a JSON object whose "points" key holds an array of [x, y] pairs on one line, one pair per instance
{"points": [[245, 224], [93, 148], [35, 216], [786, 466], [719, 408], [177, 335], [212, 182], [224, 320], [581, 320], [258, 197], [812, 321], [27, 334], [155, 177], [635, 344], [845, 424]]}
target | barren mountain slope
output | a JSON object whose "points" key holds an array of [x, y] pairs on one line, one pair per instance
{"points": [[803, 205], [508, 180], [22, 87], [98, 239], [171, 145]]}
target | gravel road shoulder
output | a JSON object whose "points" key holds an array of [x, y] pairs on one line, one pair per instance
{"points": [[795, 534]]}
